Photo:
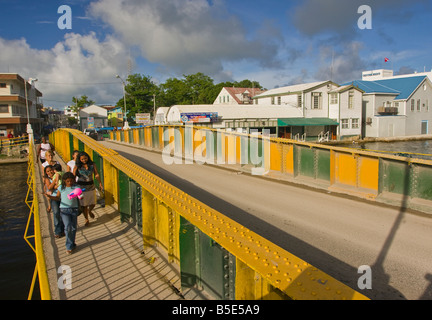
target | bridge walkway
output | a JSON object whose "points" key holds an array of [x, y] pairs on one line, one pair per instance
{"points": [[109, 262]]}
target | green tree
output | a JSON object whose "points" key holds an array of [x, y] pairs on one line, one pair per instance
{"points": [[81, 102], [139, 95]]}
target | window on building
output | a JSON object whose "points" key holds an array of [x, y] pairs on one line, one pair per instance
{"points": [[412, 104], [316, 100], [333, 98], [351, 99], [2, 85], [345, 123], [279, 99], [299, 101], [355, 123], [418, 105], [4, 108], [272, 100]]}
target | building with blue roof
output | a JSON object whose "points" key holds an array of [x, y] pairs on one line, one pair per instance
{"points": [[396, 106]]}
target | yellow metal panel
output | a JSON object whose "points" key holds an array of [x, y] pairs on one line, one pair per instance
{"points": [[275, 156], [161, 142], [346, 169], [368, 173], [148, 218], [238, 149], [109, 182], [289, 158], [244, 282], [136, 136], [162, 231], [230, 145]]}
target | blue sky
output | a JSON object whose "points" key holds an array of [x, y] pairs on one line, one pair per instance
{"points": [[276, 43]]}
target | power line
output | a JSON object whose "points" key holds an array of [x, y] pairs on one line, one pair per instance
{"points": [[77, 83]]}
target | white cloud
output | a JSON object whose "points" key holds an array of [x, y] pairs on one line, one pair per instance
{"points": [[67, 69], [187, 36]]}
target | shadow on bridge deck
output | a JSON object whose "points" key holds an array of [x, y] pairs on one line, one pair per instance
{"points": [[109, 262]]}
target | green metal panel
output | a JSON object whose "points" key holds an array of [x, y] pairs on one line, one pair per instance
{"points": [[188, 142], [203, 262], [141, 136], [71, 144], [211, 150], [131, 136], [244, 150], [155, 137], [423, 178], [124, 197], [323, 164], [395, 177], [188, 256], [80, 145], [217, 268], [256, 151], [98, 161], [135, 195], [306, 161]]}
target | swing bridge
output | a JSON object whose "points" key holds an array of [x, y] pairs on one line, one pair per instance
{"points": [[203, 248]]}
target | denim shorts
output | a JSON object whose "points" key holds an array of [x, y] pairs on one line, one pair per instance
{"points": [[69, 211]]}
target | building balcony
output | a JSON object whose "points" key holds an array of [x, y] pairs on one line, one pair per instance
{"points": [[388, 110]]}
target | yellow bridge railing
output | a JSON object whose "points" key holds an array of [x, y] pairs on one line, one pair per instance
{"points": [[213, 252], [32, 201]]}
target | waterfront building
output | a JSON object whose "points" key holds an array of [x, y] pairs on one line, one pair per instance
{"points": [[325, 108], [16, 94], [396, 106]]}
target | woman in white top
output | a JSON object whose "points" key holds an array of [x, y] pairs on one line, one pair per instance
{"points": [[71, 164], [43, 148]]}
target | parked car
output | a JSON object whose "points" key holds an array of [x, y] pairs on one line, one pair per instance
{"points": [[88, 131]]}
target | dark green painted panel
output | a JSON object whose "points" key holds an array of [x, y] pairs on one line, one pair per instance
{"points": [[424, 182], [124, 201], [306, 161], [188, 259], [395, 177], [212, 266], [323, 166]]}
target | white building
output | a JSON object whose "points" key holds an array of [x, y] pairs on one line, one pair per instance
{"points": [[16, 94], [324, 103], [237, 96], [383, 74], [70, 113], [93, 117], [397, 106]]}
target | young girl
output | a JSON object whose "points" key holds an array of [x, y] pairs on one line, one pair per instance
{"points": [[54, 204], [68, 209], [84, 171]]}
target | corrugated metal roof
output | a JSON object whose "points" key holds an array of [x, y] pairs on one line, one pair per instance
{"points": [[401, 87], [291, 89]]}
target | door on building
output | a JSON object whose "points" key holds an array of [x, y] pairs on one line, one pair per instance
{"points": [[424, 127]]}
